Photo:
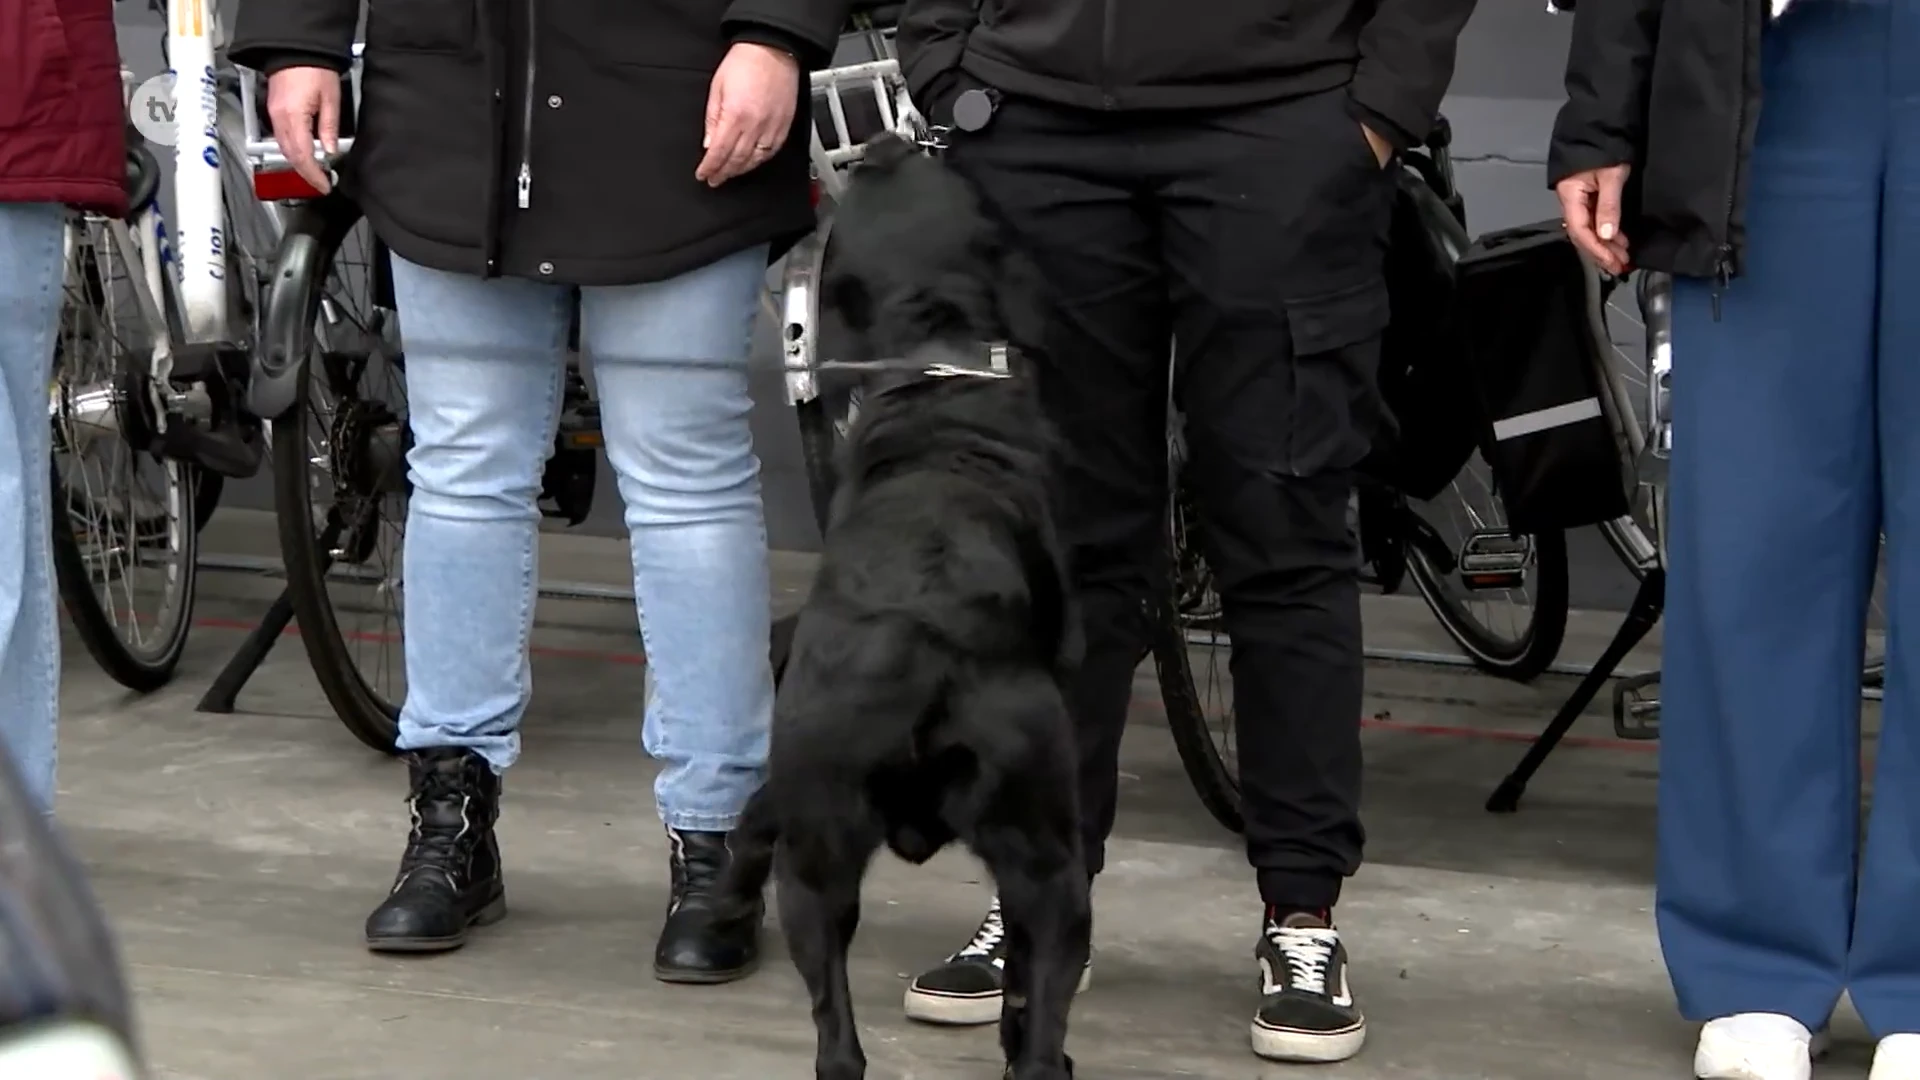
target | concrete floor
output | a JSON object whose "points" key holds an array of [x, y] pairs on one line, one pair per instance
{"points": [[238, 854]]}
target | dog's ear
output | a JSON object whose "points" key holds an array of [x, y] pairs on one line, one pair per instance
{"points": [[1019, 298]]}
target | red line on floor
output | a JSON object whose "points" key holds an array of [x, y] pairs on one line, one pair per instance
{"points": [[1448, 731], [604, 656], [633, 659]]}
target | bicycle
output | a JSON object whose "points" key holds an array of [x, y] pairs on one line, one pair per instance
{"points": [[151, 354], [1639, 408]]}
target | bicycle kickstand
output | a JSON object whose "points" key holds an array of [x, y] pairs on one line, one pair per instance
{"points": [[1642, 615], [225, 691]]}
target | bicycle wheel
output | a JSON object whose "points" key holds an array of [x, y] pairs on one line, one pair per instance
{"points": [[339, 463], [1501, 598], [125, 541], [1198, 699]]}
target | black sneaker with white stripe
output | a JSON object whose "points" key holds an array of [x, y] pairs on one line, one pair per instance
{"points": [[967, 988], [1307, 1012]]}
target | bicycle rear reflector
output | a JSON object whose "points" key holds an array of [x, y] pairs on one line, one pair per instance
{"points": [[270, 186]]}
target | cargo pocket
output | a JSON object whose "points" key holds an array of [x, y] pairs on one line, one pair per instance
{"points": [[1335, 407]]}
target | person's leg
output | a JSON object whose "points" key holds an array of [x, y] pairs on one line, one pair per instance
{"points": [[1056, 180], [1884, 959], [484, 365], [1774, 514], [670, 359], [31, 269], [1275, 233]]}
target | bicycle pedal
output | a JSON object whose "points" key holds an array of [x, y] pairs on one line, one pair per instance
{"points": [[1636, 707], [1494, 559]]}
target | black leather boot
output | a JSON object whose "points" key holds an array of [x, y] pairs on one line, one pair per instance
{"points": [[449, 878], [700, 943]]}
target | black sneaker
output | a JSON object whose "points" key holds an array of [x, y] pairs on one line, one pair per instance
{"points": [[1307, 1011], [967, 988]]}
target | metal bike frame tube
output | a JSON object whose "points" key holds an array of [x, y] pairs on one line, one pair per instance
{"points": [[192, 32]]}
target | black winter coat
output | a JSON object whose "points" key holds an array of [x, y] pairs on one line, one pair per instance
{"points": [[1394, 56], [552, 139], [1672, 88]]}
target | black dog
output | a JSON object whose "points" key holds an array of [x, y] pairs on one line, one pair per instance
{"points": [[922, 702]]}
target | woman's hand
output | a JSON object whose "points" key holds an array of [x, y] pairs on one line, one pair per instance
{"points": [[304, 103], [1590, 207], [749, 111]]}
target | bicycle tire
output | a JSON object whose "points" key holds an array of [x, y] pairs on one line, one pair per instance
{"points": [[314, 237], [1520, 659], [1213, 780], [1190, 579], [819, 441], [141, 674], [142, 670]]}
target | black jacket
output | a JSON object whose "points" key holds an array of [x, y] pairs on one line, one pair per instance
{"points": [[1396, 56], [551, 139], [1672, 88]]}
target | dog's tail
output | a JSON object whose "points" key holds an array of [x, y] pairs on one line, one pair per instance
{"points": [[750, 855]]}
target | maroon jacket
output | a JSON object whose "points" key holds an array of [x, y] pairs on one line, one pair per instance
{"points": [[62, 121]]}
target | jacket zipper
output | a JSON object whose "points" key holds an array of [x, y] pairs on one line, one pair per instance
{"points": [[1723, 265], [523, 184], [1107, 21], [496, 145]]}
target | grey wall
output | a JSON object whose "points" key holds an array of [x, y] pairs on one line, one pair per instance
{"points": [[1505, 91]]}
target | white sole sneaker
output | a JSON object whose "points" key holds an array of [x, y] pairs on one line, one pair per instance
{"points": [[1897, 1058], [965, 1010], [1731, 1052], [1314, 1047]]}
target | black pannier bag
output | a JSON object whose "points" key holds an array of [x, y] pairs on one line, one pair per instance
{"points": [[1522, 304], [1432, 421]]}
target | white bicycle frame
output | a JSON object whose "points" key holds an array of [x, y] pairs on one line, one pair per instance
{"points": [[193, 35]]}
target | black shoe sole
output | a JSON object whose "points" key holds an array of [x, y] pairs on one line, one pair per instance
{"points": [[702, 977], [493, 912]]}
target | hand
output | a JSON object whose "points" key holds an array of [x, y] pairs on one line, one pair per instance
{"points": [[1590, 208], [304, 102], [1382, 149], [749, 111]]}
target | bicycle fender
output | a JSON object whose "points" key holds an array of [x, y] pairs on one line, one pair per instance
{"points": [[291, 305]]}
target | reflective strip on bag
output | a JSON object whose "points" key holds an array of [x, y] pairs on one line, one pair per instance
{"points": [[1554, 416]]}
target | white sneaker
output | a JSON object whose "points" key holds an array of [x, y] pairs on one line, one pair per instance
{"points": [[1898, 1058], [1756, 1046]]}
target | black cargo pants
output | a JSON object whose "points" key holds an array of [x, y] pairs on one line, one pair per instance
{"points": [[1252, 241]]}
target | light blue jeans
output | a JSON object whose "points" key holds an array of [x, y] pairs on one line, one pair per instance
{"points": [[31, 280], [485, 361]]}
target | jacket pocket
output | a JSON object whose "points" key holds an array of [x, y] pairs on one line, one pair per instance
{"points": [[423, 26], [1335, 402], [32, 33]]}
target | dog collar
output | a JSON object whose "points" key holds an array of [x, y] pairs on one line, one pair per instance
{"points": [[997, 366], [947, 371]]}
